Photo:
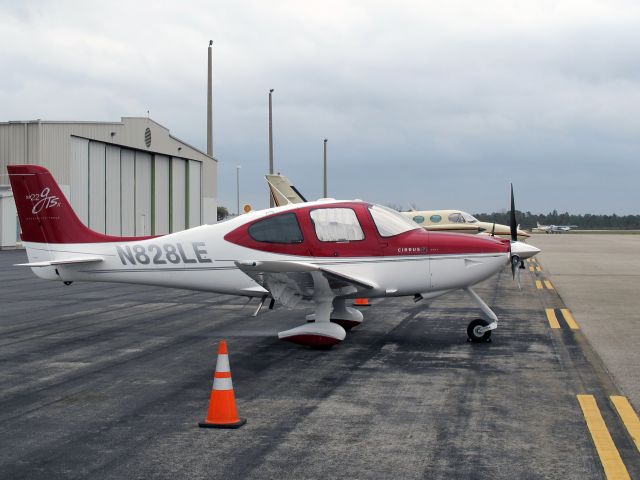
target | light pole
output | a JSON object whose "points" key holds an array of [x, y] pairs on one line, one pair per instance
{"points": [[209, 104], [271, 204], [238, 190], [325, 169]]}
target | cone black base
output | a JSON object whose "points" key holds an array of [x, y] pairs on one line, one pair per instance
{"points": [[237, 424]]}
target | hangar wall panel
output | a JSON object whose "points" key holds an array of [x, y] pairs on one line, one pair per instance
{"points": [[178, 194], [9, 229], [143, 193], [194, 189], [97, 209], [127, 188], [161, 194], [79, 178], [209, 210], [5, 146], [112, 190]]}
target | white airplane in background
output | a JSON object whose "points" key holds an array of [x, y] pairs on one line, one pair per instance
{"points": [[555, 228], [322, 252]]}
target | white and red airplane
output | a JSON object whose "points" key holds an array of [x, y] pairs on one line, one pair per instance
{"points": [[323, 252]]}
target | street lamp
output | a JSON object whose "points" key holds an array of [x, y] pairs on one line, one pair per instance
{"points": [[238, 189], [271, 204], [325, 169]]}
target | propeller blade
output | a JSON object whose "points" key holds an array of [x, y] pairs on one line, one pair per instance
{"points": [[514, 264], [493, 230], [512, 219]]}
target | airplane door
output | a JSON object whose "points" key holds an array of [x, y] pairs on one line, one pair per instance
{"points": [[338, 231]]}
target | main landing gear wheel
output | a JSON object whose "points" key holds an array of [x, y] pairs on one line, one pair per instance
{"points": [[475, 333]]}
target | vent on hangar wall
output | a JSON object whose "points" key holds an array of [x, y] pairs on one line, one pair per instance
{"points": [[147, 137]]}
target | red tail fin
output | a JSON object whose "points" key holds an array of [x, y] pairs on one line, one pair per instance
{"points": [[45, 213]]}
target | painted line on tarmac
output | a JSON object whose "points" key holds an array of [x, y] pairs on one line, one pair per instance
{"points": [[540, 284], [610, 458], [538, 269], [628, 417], [568, 317], [531, 269], [551, 316]]}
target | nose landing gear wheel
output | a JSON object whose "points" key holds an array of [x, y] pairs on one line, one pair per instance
{"points": [[475, 331]]}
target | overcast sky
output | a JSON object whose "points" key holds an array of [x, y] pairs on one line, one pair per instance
{"points": [[437, 104]]}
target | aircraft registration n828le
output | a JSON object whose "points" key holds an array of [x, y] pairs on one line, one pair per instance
{"points": [[324, 252]]}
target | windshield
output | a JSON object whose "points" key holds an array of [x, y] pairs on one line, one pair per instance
{"points": [[389, 222], [469, 218]]}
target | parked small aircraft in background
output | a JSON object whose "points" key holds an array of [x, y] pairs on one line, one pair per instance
{"points": [[459, 221], [284, 193], [554, 228], [322, 252]]}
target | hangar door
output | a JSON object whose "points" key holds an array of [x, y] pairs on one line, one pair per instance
{"points": [[122, 191], [194, 193]]}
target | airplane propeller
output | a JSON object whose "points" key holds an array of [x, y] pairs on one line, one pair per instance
{"points": [[513, 226]]}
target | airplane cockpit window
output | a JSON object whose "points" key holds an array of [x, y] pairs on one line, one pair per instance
{"points": [[336, 225], [282, 228], [469, 218], [389, 222], [456, 218]]}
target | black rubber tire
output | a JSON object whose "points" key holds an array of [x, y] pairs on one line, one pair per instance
{"points": [[473, 335]]}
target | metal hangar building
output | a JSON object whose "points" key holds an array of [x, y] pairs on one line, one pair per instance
{"points": [[128, 178]]}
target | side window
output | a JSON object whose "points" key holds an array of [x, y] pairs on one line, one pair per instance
{"points": [[456, 218], [279, 229], [418, 219], [336, 225], [435, 218]]}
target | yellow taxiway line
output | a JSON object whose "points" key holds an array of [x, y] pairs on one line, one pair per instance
{"points": [[531, 269], [573, 325], [628, 417], [538, 269], [548, 284], [609, 456], [551, 316], [538, 284]]}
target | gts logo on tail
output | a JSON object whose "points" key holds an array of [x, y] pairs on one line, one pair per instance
{"points": [[43, 200], [162, 254]]}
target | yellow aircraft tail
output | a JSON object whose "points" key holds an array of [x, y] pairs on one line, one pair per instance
{"points": [[282, 192]]}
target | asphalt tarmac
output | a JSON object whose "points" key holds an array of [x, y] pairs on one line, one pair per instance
{"points": [[598, 277], [110, 381]]}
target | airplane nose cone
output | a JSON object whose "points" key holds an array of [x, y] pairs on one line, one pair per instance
{"points": [[524, 250]]}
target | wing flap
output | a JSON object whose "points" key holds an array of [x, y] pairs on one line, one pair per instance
{"points": [[278, 266], [290, 281]]}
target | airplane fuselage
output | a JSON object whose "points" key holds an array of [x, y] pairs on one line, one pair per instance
{"points": [[202, 259]]}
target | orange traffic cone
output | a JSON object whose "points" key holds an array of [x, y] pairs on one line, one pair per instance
{"points": [[362, 302], [222, 407]]}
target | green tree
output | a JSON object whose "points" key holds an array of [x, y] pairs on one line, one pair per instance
{"points": [[222, 213]]}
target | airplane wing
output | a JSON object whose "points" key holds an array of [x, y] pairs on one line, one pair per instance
{"points": [[453, 227], [291, 282], [63, 261]]}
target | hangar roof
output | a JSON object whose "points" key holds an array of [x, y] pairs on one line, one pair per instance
{"points": [[140, 133]]}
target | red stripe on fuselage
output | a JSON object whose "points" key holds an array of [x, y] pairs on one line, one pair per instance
{"points": [[412, 243]]}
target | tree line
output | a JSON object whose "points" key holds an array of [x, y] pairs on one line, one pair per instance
{"points": [[528, 220]]}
